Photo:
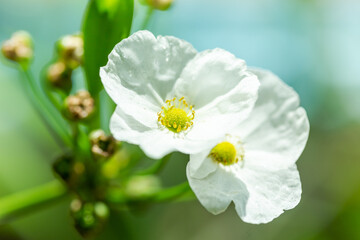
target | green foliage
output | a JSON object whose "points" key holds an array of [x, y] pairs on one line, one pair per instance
{"points": [[106, 23]]}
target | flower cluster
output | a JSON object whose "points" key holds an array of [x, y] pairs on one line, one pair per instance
{"points": [[243, 127], [68, 56], [19, 48]]}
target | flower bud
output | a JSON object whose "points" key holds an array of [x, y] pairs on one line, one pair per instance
{"points": [[159, 4], [71, 50], [89, 218], [70, 171], [59, 76], [101, 210], [79, 106], [139, 187], [75, 205], [102, 146], [19, 48]]}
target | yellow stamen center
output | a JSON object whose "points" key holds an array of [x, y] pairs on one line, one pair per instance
{"points": [[176, 115], [224, 153]]}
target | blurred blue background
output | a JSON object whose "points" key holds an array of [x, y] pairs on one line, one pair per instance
{"points": [[313, 45]]}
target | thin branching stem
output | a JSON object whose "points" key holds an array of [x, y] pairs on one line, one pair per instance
{"points": [[48, 116], [20, 203], [174, 193], [156, 167]]}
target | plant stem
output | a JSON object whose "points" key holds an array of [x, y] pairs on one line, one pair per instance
{"points": [[96, 118], [19, 203], [156, 167], [180, 192], [57, 129], [173, 193], [147, 18], [75, 132], [50, 95]]}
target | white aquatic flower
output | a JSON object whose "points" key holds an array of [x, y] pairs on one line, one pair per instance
{"points": [[171, 98], [254, 165]]}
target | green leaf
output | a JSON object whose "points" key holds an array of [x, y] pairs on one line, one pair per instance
{"points": [[106, 23]]}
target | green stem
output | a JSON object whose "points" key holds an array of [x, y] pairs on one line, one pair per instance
{"points": [[17, 204], [50, 96], [182, 191], [147, 18], [57, 129], [156, 167], [95, 119], [75, 132]]}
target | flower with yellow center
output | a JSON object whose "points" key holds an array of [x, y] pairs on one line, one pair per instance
{"points": [[171, 98], [254, 165], [177, 115], [225, 153]]}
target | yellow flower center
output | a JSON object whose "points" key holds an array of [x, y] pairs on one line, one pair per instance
{"points": [[225, 153], [176, 115]]}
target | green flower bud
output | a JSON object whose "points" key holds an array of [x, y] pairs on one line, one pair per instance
{"points": [[19, 48], [71, 50], [70, 171], [140, 187], [59, 76], [159, 4], [102, 146], [89, 218], [75, 205], [63, 167], [101, 210], [79, 106]]}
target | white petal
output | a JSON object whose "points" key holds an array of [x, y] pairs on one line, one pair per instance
{"points": [[218, 117], [158, 143], [269, 193], [277, 129], [141, 70], [259, 195], [200, 165], [209, 75], [220, 88], [125, 128], [155, 142], [216, 191]]}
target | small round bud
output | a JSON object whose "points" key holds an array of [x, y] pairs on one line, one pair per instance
{"points": [[19, 48], [101, 210], [159, 4], [71, 50], [84, 219], [59, 76], [22, 37], [89, 218], [142, 186], [75, 205], [102, 146], [63, 167], [79, 106], [70, 171]]}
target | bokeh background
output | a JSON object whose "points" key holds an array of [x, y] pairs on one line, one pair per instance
{"points": [[313, 45]]}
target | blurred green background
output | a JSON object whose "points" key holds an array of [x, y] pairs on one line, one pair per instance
{"points": [[313, 45]]}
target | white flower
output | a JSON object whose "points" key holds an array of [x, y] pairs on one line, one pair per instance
{"points": [[171, 98], [254, 166]]}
